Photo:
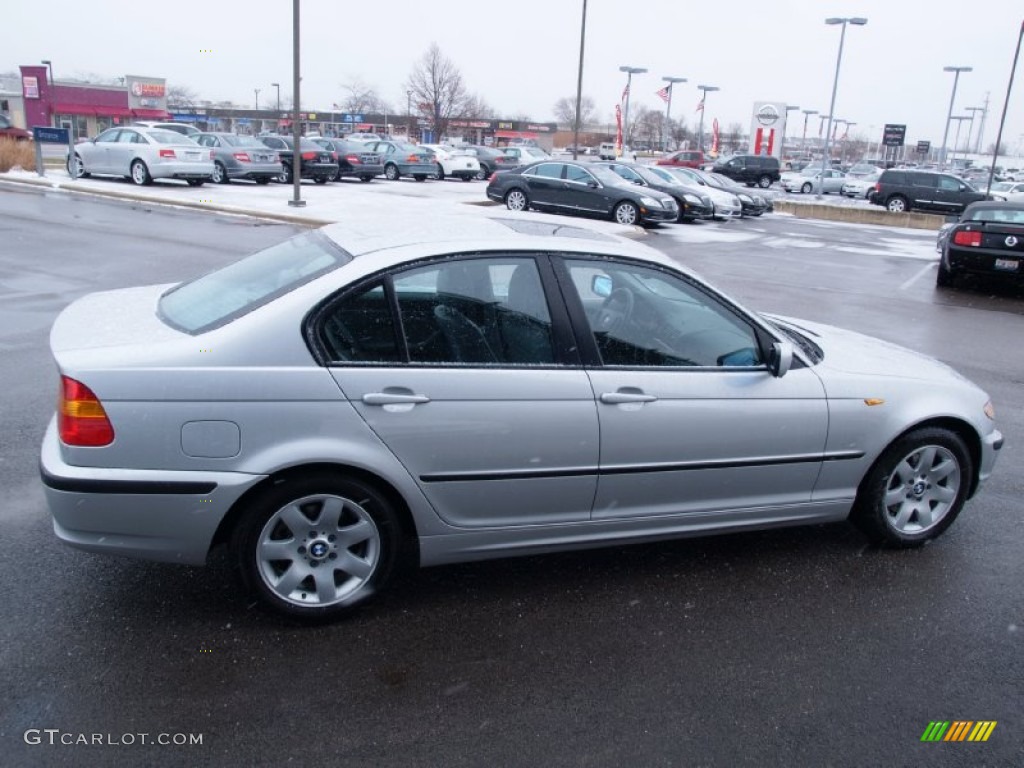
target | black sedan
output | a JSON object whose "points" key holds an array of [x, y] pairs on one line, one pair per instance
{"points": [[580, 188], [693, 204], [316, 162], [491, 160], [987, 239], [354, 158], [754, 203]]}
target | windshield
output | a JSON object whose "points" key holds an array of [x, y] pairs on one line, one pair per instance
{"points": [[237, 289], [660, 176]]}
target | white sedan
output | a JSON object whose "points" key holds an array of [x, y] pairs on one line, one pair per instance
{"points": [[861, 187], [814, 179], [452, 161], [142, 155], [1013, 191]]}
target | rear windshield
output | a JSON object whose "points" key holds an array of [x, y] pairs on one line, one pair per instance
{"points": [[237, 289]]}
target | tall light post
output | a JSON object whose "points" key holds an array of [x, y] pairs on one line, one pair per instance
{"points": [[257, 90], [630, 71], [668, 105], [807, 114], [579, 86], [785, 126], [278, 87], [296, 201], [857, 21], [970, 128], [956, 136], [846, 135], [1006, 104], [705, 89], [949, 115]]}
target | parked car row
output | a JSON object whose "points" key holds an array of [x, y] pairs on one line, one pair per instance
{"points": [[628, 193]]}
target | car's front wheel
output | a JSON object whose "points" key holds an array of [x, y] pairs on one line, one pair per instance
{"points": [[626, 213], [806, 188], [76, 168], [314, 547], [915, 489], [764, 181], [516, 200]]}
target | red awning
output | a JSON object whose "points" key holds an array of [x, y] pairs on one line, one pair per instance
{"points": [[515, 135], [113, 111], [156, 114], [64, 108]]}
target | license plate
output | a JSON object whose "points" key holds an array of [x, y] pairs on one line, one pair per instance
{"points": [[192, 155], [1010, 264]]}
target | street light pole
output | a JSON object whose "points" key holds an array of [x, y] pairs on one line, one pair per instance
{"points": [[630, 71], [949, 115], [807, 114], [579, 86], [296, 201], [257, 99], [858, 21], [970, 128], [668, 106], [703, 107], [956, 136], [1006, 104], [278, 87]]}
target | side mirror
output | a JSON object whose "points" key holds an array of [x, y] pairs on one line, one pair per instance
{"points": [[592, 184], [780, 359]]}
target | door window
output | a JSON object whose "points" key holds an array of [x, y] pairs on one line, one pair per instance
{"points": [[579, 175], [643, 317]]}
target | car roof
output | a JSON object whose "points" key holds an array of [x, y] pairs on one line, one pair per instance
{"points": [[1004, 205]]}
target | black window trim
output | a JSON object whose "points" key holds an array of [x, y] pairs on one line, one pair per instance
{"points": [[563, 339]]}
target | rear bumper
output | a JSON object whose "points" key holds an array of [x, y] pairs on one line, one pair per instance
{"points": [[983, 261], [181, 170], [267, 171], [170, 516]]}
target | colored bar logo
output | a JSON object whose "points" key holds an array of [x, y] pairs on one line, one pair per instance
{"points": [[958, 730]]}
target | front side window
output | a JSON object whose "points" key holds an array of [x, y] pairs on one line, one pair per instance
{"points": [[627, 173], [644, 317], [577, 174]]}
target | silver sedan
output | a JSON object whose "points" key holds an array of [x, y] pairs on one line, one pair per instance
{"points": [[814, 179], [142, 155], [358, 398]]}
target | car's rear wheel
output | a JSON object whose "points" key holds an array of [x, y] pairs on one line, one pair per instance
{"points": [[195, 182], [466, 177], [140, 174], [286, 176], [440, 172], [915, 489], [764, 181], [321, 179], [626, 213], [391, 172], [314, 547], [806, 188], [420, 176], [366, 179], [896, 204], [220, 174], [483, 174], [945, 277], [516, 200], [262, 180]]}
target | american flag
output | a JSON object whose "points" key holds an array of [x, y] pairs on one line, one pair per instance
{"points": [[700, 106], [663, 93], [625, 93]]}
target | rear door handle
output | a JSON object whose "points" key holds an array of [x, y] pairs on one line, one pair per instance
{"points": [[617, 398], [393, 398]]}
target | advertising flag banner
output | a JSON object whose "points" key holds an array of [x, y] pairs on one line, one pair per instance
{"points": [[618, 129]]}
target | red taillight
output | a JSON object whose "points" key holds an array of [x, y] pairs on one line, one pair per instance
{"points": [[334, 156], [243, 156], [353, 159], [878, 186], [412, 159], [211, 154], [169, 153], [309, 155], [965, 237], [81, 419]]}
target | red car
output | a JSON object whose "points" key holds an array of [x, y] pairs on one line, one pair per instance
{"points": [[685, 158], [9, 131]]}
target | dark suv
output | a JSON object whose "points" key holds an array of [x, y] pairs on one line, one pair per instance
{"points": [[902, 190], [750, 169]]}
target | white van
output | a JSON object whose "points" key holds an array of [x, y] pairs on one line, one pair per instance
{"points": [[606, 151]]}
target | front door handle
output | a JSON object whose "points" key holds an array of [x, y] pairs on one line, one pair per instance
{"points": [[394, 398], [617, 398]]}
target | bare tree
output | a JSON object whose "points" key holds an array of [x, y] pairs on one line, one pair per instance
{"points": [[475, 106], [360, 98], [438, 92], [182, 96], [565, 110]]}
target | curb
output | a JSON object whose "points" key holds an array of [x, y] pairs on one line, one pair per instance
{"points": [[286, 218], [860, 215]]}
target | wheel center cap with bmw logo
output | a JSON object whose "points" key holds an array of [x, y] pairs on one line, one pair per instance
{"points": [[319, 549]]}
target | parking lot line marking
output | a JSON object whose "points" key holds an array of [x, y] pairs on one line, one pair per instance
{"points": [[918, 275]]}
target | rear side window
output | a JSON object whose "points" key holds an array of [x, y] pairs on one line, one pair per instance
{"points": [[222, 296], [893, 177]]}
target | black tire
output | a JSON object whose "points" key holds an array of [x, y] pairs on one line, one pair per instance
{"points": [[896, 489], [316, 547], [516, 199], [484, 173], [466, 178], [287, 177], [366, 179], [627, 213], [321, 179], [944, 277], [140, 174], [391, 172], [897, 204], [81, 173], [420, 176], [262, 180], [440, 172], [195, 182], [220, 174], [764, 181], [806, 188]]}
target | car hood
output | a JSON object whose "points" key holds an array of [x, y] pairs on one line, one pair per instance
{"points": [[851, 352]]}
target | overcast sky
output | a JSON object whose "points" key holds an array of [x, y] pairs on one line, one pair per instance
{"points": [[522, 56]]}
